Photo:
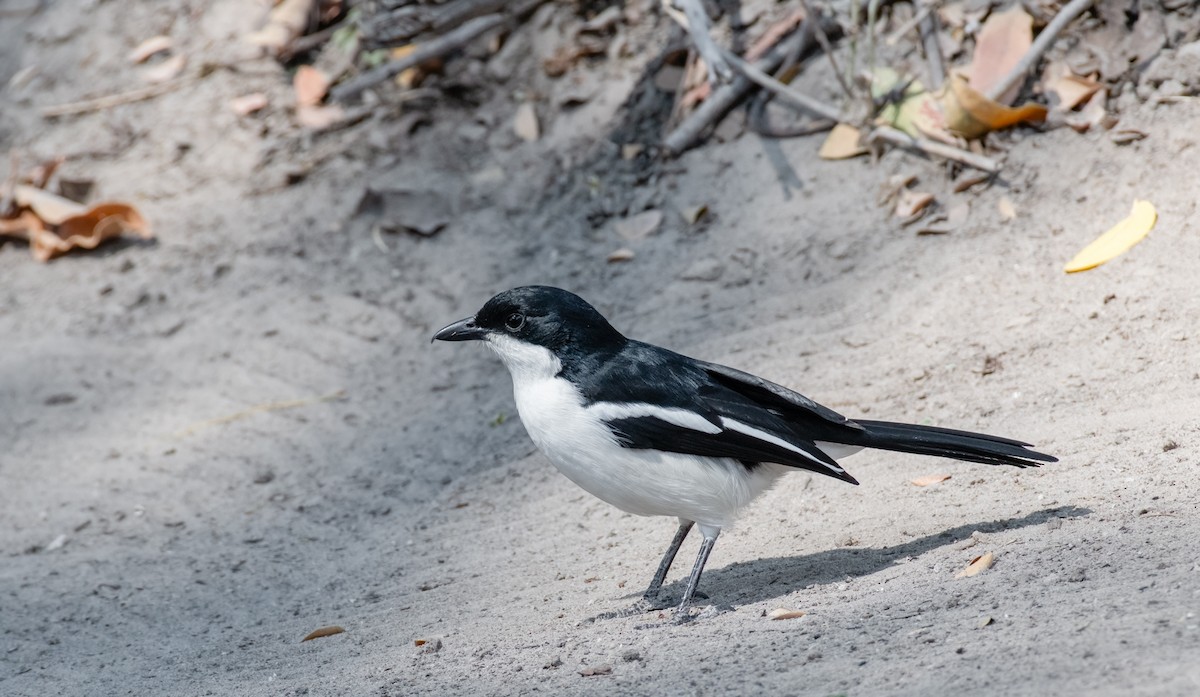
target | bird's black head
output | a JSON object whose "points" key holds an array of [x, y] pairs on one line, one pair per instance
{"points": [[539, 315]]}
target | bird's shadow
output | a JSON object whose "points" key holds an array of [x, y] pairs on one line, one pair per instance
{"points": [[754, 581]]}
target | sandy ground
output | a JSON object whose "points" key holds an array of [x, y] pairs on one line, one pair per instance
{"points": [[399, 497]]}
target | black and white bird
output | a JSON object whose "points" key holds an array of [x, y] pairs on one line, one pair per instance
{"points": [[656, 433]]}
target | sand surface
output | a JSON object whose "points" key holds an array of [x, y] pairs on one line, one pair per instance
{"points": [[241, 433]]}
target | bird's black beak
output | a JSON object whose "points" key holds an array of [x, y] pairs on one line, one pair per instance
{"points": [[462, 330]]}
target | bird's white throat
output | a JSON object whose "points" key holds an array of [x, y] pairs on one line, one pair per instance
{"points": [[525, 361]]}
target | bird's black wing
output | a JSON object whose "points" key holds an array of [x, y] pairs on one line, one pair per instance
{"points": [[651, 398]]}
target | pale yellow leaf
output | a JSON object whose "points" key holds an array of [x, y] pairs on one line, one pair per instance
{"points": [[525, 123], [842, 142], [785, 614], [322, 632], [1007, 210], [1118, 240]]}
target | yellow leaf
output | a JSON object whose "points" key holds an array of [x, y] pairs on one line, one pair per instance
{"points": [[785, 614], [970, 114], [1118, 240], [978, 565], [843, 142]]}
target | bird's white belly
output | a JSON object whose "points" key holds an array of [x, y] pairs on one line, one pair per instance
{"points": [[709, 491]]}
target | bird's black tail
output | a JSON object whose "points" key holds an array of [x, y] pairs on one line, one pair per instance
{"points": [[945, 442]]}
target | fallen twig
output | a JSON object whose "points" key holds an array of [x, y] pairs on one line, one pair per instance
{"points": [[694, 19], [437, 48], [109, 101], [727, 96], [891, 135], [1040, 44], [782, 91]]}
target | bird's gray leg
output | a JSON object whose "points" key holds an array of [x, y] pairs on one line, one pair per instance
{"points": [[685, 526], [710, 539]]}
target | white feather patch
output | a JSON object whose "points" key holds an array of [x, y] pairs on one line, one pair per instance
{"points": [[612, 411], [762, 435]]}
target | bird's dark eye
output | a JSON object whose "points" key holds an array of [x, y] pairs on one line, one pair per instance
{"points": [[514, 322]]}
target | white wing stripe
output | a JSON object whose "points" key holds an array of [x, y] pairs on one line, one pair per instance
{"points": [[774, 440], [612, 411]]}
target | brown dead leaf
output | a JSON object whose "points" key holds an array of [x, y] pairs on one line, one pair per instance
{"points": [[844, 141], [1070, 89], [525, 123], [323, 632], [970, 178], [596, 670], [149, 47], [970, 114], [930, 479], [1092, 114], [780, 613], [310, 85], [166, 70], [286, 23], [67, 225], [910, 204], [248, 103], [1125, 136], [1000, 45], [565, 57], [318, 117], [977, 566]]}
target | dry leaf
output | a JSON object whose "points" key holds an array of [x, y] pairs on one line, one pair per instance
{"points": [[51, 208], [694, 214], [418, 642], [1007, 210], [596, 670], [910, 203], [149, 47], [773, 35], [640, 226], [318, 117], [286, 23], [1118, 240], [984, 621], [166, 70], [930, 480], [978, 565], [409, 77], [1091, 115], [630, 151], [1070, 89], [843, 142], [310, 85], [999, 46], [248, 104], [916, 111], [785, 614], [525, 123], [1125, 136], [970, 114], [969, 178], [622, 254], [323, 632]]}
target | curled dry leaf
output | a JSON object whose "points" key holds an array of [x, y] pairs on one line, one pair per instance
{"points": [[843, 142], [1000, 45], [323, 632], [780, 613], [166, 70], [978, 565], [911, 203], [525, 123], [286, 23], [149, 47], [1070, 89], [54, 225], [596, 670], [930, 480], [970, 114], [1125, 136], [620, 255], [310, 85], [248, 103], [1118, 240]]}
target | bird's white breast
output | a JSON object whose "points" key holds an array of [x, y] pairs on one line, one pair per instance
{"points": [[573, 437]]}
